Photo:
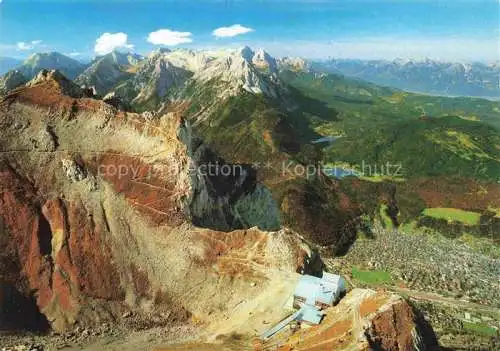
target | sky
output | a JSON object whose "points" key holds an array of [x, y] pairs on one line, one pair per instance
{"points": [[456, 30]]}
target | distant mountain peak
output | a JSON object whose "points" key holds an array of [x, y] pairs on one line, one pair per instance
{"points": [[263, 60], [50, 61], [247, 53], [293, 63], [160, 51], [106, 71], [424, 75], [126, 58], [11, 80]]}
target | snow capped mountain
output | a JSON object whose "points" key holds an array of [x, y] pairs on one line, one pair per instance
{"points": [[263, 60], [293, 63], [189, 60], [237, 71], [165, 73]]}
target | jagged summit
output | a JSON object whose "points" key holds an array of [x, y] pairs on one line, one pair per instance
{"points": [[59, 81], [125, 58], [153, 80], [247, 53], [293, 63], [237, 70], [164, 75], [265, 61], [159, 51]]}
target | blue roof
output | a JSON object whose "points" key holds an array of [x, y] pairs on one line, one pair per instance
{"points": [[307, 287], [310, 314], [324, 290]]}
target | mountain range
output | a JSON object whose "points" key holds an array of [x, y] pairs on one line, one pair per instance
{"points": [[424, 76]]}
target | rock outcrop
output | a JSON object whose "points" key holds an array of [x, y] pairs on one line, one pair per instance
{"points": [[73, 255], [362, 320], [58, 81]]}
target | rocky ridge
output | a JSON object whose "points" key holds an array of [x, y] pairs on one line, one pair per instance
{"points": [[164, 74], [362, 320], [85, 239]]}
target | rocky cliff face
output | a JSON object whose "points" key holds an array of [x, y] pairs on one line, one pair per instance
{"points": [[98, 225], [398, 326], [154, 79]]}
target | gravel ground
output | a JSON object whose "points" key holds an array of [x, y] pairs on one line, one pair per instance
{"points": [[104, 337]]}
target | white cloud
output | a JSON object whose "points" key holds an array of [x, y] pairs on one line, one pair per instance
{"points": [[111, 41], [24, 46], [169, 37], [231, 31], [74, 54]]}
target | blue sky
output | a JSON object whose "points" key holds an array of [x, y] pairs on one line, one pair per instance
{"points": [[440, 29]]}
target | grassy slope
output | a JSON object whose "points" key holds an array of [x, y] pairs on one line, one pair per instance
{"points": [[453, 214], [374, 277], [383, 125], [433, 147], [456, 143]]}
